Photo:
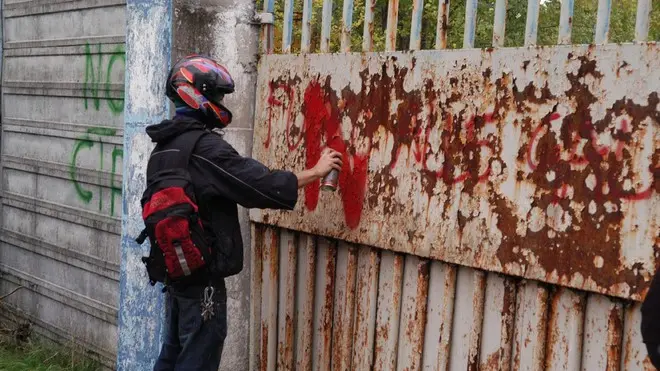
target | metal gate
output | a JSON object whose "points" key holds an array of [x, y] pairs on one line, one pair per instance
{"points": [[62, 130], [498, 208]]}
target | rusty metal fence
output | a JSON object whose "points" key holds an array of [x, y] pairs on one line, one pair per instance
{"points": [[498, 208]]}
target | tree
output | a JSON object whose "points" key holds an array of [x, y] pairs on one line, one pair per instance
{"points": [[622, 23]]}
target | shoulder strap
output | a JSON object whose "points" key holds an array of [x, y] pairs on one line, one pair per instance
{"points": [[185, 143]]}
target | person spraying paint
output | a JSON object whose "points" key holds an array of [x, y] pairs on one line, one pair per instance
{"points": [[195, 180]]}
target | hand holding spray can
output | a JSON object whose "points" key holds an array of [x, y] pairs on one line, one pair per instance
{"points": [[329, 182], [331, 179]]}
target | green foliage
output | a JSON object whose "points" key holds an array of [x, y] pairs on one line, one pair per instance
{"points": [[38, 357], [622, 23]]}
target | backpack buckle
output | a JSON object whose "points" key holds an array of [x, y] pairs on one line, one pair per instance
{"points": [[142, 237]]}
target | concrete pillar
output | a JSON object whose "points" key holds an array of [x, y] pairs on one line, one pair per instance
{"points": [[159, 32]]}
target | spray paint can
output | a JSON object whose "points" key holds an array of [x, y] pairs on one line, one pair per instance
{"points": [[329, 182]]}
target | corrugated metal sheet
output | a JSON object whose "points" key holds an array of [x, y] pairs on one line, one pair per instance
{"points": [[538, 163], [62, 128], [418, 315]]}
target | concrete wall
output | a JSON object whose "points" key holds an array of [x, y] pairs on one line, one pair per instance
{"points": [[160, 32], [62, 128]]}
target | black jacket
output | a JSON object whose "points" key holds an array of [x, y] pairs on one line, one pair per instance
{"points": [[651, 313], [222, 180]]}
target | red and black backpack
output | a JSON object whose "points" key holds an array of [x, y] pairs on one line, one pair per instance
{"points": [[180, 251]]}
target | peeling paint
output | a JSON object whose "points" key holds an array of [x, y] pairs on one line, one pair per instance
{"points": [[465, 158]]}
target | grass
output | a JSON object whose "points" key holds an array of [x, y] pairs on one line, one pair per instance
{"points": [[41, 357]]}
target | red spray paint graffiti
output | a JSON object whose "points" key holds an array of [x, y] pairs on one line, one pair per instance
{"points": [[465, 153]]}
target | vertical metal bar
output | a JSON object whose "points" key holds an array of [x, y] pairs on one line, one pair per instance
{"points": [[287, 300], [365, 309], [287, 26], [440, 316], [347, 24], [532, 25], [470, 23], [499, 314], [256, 258], [269, 279], [530, 327], [565, 328], [139, 345], [344, 307], [566, 22], [323, 302], [305, 38], [468, 319], [634, 350], [603, 330], [413, 313], [499, 23], [603, 21], [416, 25], [305, 302], [326, 25], [266, 38], [392, 23], [389, 310], [642, 20], [368, 33], [442, 25]]}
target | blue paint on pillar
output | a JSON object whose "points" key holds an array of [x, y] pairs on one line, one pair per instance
{"points": [[148, 54]]}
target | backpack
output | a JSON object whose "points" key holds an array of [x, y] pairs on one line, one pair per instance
{"points": [[180, 250]]}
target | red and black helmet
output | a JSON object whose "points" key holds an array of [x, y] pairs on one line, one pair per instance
{"points": [[200, 83]]}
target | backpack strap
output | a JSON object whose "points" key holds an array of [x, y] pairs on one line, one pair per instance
{"points": [[170, 166]]}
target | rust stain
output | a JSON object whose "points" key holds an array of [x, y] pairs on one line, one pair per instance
{"points": [[614, 338], [264, 346], [581, 186]]}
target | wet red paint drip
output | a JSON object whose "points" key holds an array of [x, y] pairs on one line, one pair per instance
{"points": [[322, 120]]}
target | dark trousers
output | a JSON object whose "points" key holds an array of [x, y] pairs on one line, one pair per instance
{"points": [[191, 343], [654, 354]]}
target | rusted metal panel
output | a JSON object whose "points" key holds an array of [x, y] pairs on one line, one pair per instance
{"points": [[305, 301], [508, 160], [389, 310], [269, 282], [326, 258], [344, 307], [603, 330], [565, 330], [499, 314], [287, 300], [635, 356], [530, 327], [468, 319], [439, 317], [442, 24], [413, 313], [256, 282], [365, 309]]}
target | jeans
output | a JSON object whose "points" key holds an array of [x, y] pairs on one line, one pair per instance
{"points": [[190, 343]]}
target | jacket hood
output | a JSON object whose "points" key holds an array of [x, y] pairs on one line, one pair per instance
{"points": [[169, 129]]}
